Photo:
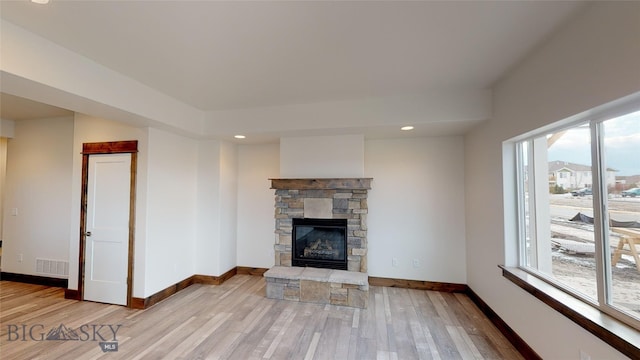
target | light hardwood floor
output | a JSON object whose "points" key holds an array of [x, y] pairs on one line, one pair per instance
{"points": [[236, 321]]}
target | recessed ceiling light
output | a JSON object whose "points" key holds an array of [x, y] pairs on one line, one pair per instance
{"points": [[239, 136], [42, 2], [406, 128]]}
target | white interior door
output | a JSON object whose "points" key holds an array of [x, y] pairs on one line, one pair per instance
{"points": [[107, 228]]}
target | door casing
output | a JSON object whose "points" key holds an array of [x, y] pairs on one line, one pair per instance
{"points": [[113, 147]]}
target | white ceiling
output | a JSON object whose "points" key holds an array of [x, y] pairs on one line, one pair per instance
{"points": [[222, 55]]}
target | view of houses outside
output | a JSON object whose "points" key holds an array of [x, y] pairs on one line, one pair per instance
{"points": [[570, 176]]}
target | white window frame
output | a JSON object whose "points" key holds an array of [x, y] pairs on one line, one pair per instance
{"points": [[595, 119]]}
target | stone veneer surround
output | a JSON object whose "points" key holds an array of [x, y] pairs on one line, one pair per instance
{"points": [[346, 198]]}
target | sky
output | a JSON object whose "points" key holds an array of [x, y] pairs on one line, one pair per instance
{"points": [[621, 149]]}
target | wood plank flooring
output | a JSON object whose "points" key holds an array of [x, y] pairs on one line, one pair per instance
{"points": [[236, 321]]}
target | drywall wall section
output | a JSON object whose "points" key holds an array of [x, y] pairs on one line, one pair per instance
{"points": [[256, 165], [171, 210], [340, 156], [216, 244], [38, 195], [416, 209], [3, 172], [208, 209], [7, 128], [228, 205], [590, 61]]}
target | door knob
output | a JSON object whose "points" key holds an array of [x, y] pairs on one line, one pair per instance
{"points": [[88, 233]]}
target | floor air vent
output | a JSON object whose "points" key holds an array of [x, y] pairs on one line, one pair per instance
{"points": [[52, 267]]}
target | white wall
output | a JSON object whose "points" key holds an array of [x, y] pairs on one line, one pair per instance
{"points": [[3, 171], [340, 156], [416, 208], [7, 128], [208, 210], [171, 210], [229, 206], [216, 251], [592, 60], [38, 185], [256, 165]]}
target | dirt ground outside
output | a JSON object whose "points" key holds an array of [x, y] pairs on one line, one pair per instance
{"points": [[578, 270]]}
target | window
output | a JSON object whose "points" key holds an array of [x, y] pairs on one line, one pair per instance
{"points": [[579, 237]]}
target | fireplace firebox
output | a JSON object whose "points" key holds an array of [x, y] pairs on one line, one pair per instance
{"points": [[320, 243]]}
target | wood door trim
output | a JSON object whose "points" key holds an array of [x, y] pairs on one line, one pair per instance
{"points": [[113, 147]]}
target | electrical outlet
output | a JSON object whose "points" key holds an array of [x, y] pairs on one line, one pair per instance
{"points": [[394, 262], [416, 263], [20, 258], [14, 212]]}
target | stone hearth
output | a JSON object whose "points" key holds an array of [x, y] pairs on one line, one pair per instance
{"points": [[323, 286]]}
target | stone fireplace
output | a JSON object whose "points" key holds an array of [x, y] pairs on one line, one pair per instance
{"points": [[312, 263], [322, 199]]}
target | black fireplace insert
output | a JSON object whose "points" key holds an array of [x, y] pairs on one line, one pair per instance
{"points": [[319, 243]]}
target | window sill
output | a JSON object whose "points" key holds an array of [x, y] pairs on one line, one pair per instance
{"points": [[615, 333]]}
